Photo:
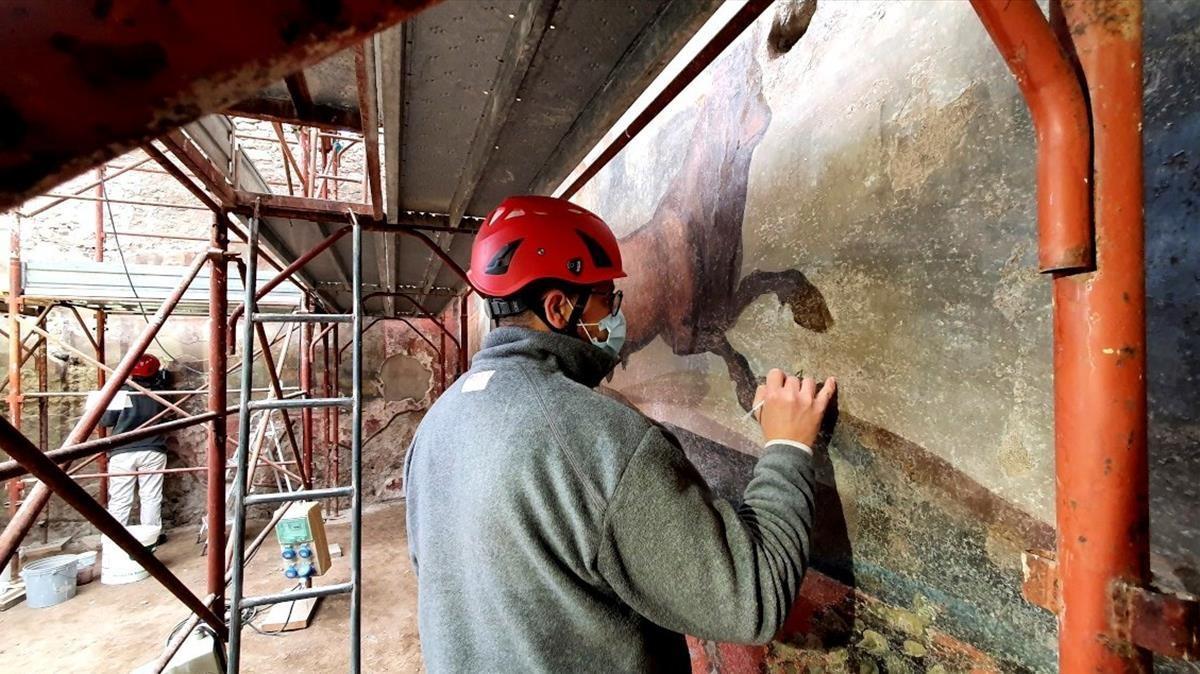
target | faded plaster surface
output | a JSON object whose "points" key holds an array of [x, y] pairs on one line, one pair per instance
{"points": [[863, 205]]}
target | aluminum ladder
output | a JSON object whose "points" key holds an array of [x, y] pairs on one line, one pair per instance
{"points": [[238, 602]]}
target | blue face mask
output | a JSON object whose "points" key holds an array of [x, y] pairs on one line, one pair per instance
{"points": [[615, 325]]}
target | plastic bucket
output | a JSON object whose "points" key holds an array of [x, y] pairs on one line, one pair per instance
{"points": [[116, 567], [85, 569], [49, 581]]}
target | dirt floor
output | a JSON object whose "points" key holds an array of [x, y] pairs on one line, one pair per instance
{"points": [[108, 628]]}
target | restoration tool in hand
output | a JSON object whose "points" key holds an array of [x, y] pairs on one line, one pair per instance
{"points": [[758, 405]]}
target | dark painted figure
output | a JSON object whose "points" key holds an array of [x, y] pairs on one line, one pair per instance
{"points": [[688, 287]]}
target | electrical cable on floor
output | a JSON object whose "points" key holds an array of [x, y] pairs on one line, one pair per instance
{"points": [[248, 616]]}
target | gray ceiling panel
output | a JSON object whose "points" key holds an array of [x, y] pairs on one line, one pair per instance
{"points": [[542, 79], [574, 61], [453, 53], [328, 84]]}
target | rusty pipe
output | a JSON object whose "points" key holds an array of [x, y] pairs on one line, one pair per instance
{"points": [[286, 273], [437, 250], [1060, 119], [1102, 502], [69, 453], [20, 448], [218, 310], [425, 313], [306, 384], [175, 172], [26, 515], [277, 390], [14, 349]]}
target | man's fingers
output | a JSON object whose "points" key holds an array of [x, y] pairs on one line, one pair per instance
{"points": [[827, 391], [775, 378], [807, 388], [792, 384]]}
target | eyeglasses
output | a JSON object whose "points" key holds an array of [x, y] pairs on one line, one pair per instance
{"points": [[614, 301], [612, 298]]}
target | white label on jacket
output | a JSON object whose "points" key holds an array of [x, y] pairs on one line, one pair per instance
{"points": [[477, 381], [119, 402]]}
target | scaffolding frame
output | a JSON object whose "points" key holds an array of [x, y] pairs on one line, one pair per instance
{"points": [[58, 471], [1090, 242]]}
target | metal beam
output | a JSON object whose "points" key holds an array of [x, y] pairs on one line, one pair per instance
{"points": [[327, 117], [529, 27], [182, 178], [393, 64], [200, 166], [642, 63], [368, 105], [139, 70], [300, 208], [297, 86], [327, 210], [24, 452], [20, 524], [618, 139]]}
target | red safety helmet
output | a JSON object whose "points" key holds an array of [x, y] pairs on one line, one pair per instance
{"points": [[532, 238], [146, 366]]}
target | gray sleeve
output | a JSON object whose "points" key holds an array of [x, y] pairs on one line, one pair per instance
{"points": [[109, 418], [695, 564]]}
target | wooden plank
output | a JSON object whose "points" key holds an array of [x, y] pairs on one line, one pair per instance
{"points": [[15, 594], [294, 615]]}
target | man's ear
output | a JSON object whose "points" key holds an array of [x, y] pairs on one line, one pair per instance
{"points": [[557, 308]]}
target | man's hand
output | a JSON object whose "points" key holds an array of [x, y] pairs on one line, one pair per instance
{"points": [[792, 409]]}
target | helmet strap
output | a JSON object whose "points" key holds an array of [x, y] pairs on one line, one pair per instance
{"points": [[572, 320]]}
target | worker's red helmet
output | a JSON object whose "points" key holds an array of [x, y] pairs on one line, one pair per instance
{"points": [[146, 366], [532, 238]]}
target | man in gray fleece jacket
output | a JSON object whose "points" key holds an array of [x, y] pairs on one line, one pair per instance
{"points": [[554, 529]]}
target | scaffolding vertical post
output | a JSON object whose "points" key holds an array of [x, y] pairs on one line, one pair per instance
{"points": [[218, 309], [327, 413], [306, 381], [14, 344], [43, 407], [337, 414], [26, 516], [43, 376], [237, 563], [356, 456], [101, 320]]}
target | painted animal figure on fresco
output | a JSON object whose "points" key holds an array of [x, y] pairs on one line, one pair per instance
{"points": [[688, 286]]}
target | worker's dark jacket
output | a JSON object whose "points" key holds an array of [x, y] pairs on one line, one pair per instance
{"points": [[140, 409], [554, 529]]}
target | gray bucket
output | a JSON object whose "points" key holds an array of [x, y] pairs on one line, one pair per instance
{"points": [[49, 581]]}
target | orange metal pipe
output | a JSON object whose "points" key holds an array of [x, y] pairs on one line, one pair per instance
{"points": [[1052, 91], [1100, 362], [1099, 316]]}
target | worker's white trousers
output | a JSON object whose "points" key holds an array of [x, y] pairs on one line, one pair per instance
{"points": [[150, 487]]}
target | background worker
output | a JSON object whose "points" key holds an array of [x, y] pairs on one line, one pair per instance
{"points": [[554, 529], [129, 410]]}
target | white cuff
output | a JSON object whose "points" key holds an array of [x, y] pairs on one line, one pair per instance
{"points": [[790, 443]]}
